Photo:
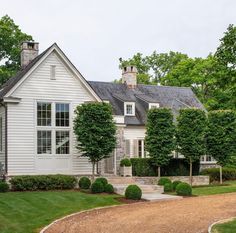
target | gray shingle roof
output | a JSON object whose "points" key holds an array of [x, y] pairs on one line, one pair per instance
{"points": [[167, 96]]}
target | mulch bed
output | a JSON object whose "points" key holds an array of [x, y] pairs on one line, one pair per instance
{"points": [[128, 201]]}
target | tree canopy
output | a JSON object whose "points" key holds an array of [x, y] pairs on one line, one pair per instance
{"points": [[11, 38], [95, 131]]}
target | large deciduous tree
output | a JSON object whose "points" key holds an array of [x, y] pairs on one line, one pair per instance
{"points": [[159, 140], [11, 38], [95, 131], [191, 129], [221, 136]]}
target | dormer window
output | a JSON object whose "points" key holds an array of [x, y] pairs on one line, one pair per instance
{"points": [[129, 108], [154, 105]]}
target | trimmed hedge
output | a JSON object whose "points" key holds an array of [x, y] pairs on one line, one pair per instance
{"points": [[133, 192], [125, 163], [97, 187], [168, 187], [109, 188], [84, 182], [184, 189], [176, 167], [42, 182], [175, 183], [164, 180], [214, 173], [4, 187]]}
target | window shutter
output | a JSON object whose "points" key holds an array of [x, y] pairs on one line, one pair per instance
{"points": [[135, 148], [127, 147]]}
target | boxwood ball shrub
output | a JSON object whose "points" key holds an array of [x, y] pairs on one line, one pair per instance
{"points": [[4, 187], [125, 163], [102, 180], [133, 192], [184, 189], [109, 188], [163, 181], [42, 182], [84, 182], [168, 187], [97, 187], [175, 183]]}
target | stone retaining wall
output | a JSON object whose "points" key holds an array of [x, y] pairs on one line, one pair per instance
{"points": [[197, 180]]}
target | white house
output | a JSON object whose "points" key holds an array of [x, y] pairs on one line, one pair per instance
{"points": [[37, 106]]}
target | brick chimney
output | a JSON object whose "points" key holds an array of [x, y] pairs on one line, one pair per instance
{"points": [[29, 50], [129, 76]]}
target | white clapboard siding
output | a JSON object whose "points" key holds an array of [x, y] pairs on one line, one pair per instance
{"points": [[22, 141], [132, 134], [2, 153]]}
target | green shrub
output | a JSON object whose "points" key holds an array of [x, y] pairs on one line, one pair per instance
{"points": [[176, 167], [133, 192], [214, 173], [184, 189], [84, 182], [102, 180], [4, 187], [109, 188], [42, 182], [164, 180], [97, 187], [125, 163], [175, 183], [168, 187]]}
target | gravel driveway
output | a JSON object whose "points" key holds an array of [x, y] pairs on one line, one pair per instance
{"points": [[188, 215]]}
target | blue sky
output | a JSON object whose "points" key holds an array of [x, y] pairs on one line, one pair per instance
{"points": [[95, 34]]}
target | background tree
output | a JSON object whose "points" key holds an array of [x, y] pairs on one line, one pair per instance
{"points": [[159, 140], [95, 131], [221, 136], [191, 130], [11, 38]]}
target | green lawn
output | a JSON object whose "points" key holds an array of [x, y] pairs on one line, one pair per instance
{"points": [[228, 227], [228, 187], [24, 212]]}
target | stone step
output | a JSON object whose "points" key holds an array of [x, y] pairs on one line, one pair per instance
{"points": [[120, 180]]}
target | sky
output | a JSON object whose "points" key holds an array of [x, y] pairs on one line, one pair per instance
{"points": [[95, 34]]}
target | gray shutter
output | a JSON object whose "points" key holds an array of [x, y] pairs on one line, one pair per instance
{"points": [[135, 148], [127, 148]]}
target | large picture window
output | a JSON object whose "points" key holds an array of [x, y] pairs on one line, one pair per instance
{"points": [[62, 115], [44, 114], [44, 142], [51, 139]]}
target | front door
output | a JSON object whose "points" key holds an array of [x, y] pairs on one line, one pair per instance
{"points": [[110, 164]]}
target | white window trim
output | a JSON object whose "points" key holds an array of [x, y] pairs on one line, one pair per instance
{"points": [[156, 105], [53, 128], [133, 107], [204, 161]]}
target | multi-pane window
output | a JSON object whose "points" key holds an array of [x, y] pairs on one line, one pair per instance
{"points": [[62, 115], [129, 109], [44, 114], [141, 150], [1, 134], [44, 142], [62, 142]]}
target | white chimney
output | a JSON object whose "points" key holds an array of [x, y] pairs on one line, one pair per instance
{"points": [[129, 76], [29, 50]]}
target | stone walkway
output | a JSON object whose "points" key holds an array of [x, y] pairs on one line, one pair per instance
{"points": [[187, 215]]}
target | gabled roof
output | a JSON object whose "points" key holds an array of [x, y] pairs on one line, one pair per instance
{"points": [[174, 98], [22, 74]]}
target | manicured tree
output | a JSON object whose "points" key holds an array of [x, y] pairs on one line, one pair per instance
{"points": [[221, 136], [95, 131], [191, 128], [159, 140]]}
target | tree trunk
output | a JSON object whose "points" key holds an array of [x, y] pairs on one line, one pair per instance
{"points": [[93, 171], [159, 172], [190, 172], [221, 180]]}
